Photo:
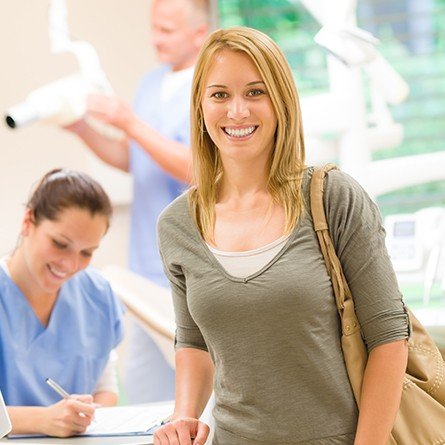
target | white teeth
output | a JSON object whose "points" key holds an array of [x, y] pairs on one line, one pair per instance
{"points": [[239, 132], [57, 273]]}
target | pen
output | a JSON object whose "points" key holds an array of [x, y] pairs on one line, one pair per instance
{"points": [[59, 390], [159, 423], [166, 420]]}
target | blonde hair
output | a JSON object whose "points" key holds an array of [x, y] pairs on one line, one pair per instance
{"points": [[287, 157]]}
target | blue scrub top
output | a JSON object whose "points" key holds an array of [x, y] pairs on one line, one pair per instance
{"points": [[85, 325], [153, 188]]}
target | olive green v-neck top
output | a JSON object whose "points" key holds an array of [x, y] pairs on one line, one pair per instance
{"points": [[274, 336]]}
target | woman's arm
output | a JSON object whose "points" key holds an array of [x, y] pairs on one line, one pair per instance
{"points": [[63, 419], [381, 392], [194, 383], [105, 398], [107, 390]]}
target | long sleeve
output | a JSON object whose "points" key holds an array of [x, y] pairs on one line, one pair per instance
{"points": [[169, 238], [356, 228]]}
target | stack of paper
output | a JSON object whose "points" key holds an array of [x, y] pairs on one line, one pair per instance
{"points": [[128, 420]]}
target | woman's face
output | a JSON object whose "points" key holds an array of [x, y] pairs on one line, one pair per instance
{"points": [[238, 112], [56, 250]]}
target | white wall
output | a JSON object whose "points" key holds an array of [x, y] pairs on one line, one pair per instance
{"points": [[119, 31]]}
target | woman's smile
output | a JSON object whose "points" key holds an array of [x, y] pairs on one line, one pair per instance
{"points": [[240, 132], [59, 274]]}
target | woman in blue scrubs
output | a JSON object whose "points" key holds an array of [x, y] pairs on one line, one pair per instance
{"points": [[59, 318]]}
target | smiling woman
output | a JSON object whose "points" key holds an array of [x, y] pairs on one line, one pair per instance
{"points": [[255, 312], [58, 310]]}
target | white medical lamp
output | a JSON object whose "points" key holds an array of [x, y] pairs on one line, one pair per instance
{"points": [[63, 101], [343, 109]]}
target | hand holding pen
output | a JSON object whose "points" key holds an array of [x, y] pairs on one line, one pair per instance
{"points": [[71, 416]]}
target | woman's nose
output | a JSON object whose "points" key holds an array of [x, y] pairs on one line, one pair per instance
{"points": [[238, 109], [71, 262]]}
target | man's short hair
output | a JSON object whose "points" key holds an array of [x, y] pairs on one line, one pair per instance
{"points": [[200, 10]]}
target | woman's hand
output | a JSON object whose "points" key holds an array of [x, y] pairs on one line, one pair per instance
{"points": [[194, 377], [182, 431], [69, 416]]}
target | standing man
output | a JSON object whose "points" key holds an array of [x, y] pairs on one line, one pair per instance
{"points": [[155, 152]]}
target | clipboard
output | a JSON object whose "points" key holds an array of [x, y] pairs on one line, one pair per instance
{"points": [[128, 420], [5, 422], [134, 420]]}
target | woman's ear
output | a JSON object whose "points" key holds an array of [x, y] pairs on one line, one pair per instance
{"points": [[28, 220]]}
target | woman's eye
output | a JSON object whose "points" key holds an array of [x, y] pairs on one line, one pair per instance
{"points": [[59, 245], [220, 95], [87, 254], [255, 92]]}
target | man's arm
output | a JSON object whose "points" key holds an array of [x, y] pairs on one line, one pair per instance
{"points": [[173, 157], [112, 151]]}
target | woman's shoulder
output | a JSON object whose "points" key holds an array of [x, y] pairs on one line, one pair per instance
{"points": [[95, 291], [334, 177], [343, 197], [337, 184], [176, 226], [92, 282], [347, 205], [176, 210], [92, 276]]}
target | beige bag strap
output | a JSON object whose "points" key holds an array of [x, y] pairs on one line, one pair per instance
{"points": [[341, 289], [354, 350], [343, 296]]}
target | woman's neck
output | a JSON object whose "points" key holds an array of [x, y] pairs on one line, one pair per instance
{"points": [[241, 183], [41, 301]]}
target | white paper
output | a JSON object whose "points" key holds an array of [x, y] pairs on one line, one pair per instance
{"points": [[128, 420]]}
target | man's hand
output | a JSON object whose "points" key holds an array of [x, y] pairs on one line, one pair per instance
{"points": [[110, 109]]}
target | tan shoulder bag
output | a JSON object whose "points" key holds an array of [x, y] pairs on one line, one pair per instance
{"points": [[421, 416]]}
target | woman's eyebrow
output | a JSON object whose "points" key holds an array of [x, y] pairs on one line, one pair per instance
{"points": [[61, 235], [255, 82], [217, 86]]}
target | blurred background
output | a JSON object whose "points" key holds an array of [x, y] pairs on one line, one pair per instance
{"points": [[119, 31], [412, 39], [391, 140]]}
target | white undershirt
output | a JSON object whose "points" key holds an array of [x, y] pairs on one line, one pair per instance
{"points": [[108, 379], [246, 263], [173, 81]]}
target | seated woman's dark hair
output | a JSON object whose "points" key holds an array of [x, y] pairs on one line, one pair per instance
{"points": [[60, 189]]}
